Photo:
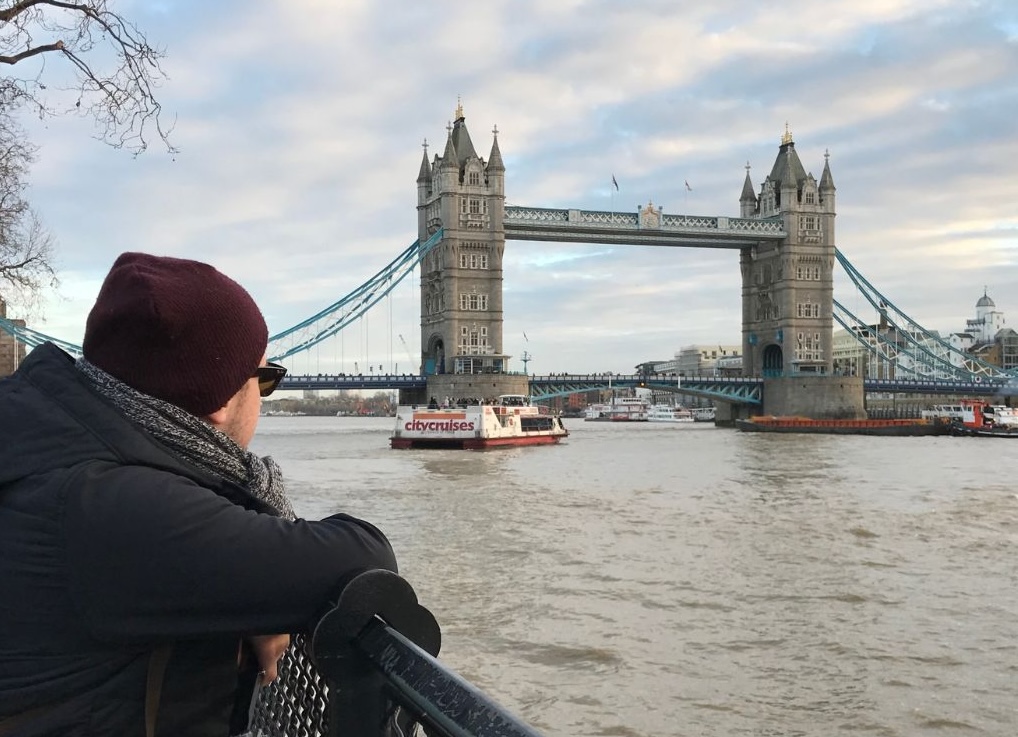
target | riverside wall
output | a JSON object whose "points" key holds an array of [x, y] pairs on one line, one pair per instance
{"points": [[817, 397]]}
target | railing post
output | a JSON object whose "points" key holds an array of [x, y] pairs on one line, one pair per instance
{"points": [[358, 704], [369, 669], [377, 649]]}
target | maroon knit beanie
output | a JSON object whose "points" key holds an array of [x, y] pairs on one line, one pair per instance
{"points": [[175, 329]]}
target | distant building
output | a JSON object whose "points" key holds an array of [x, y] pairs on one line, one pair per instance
{"points": [[988, 321], [703, 359], [12, 351], [910, 354]]}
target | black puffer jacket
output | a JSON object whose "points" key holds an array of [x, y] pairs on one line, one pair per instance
{"points": [[111, 548]]}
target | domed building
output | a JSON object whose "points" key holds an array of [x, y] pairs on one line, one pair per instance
{"points": [[988, 321]]}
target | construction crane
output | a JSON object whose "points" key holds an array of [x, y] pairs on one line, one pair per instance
{"points": [[407, 349]]}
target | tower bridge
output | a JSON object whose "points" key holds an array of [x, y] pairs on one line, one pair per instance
{"points": [[785, 235]]}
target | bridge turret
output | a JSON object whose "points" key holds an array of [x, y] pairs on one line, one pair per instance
{"points": [[495, 169], [749, 206], [827, 187], [448, 167], [424, 177]]}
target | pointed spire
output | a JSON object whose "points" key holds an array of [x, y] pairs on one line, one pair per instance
{"points": [[747, 188], [425, 172], [495, 158], [826, 180], [449, 157], [788, 170], [461, 140]]}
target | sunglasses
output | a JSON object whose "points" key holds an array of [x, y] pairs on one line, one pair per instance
{"points": [[269, 377]]}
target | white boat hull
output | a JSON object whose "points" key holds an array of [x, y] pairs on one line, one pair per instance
{"points": [[475, 427]]}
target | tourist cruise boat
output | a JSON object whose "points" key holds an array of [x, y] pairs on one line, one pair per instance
{"points": [[668, 413], [510, 420], [619, 409]]}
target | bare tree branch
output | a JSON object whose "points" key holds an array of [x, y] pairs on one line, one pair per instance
{"points": [[57, 46], [121, 100]]}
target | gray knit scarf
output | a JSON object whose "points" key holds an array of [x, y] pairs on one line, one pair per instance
{"points": [[193, 440]]}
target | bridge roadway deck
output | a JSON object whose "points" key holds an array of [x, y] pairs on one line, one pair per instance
{"points": [[638, 229], [736, 389]]}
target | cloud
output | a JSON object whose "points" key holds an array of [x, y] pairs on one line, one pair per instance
{"points": [[300, 130]]}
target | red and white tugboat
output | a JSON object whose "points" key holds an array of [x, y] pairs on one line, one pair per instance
{"points": [[984, 420], [510, 420]]}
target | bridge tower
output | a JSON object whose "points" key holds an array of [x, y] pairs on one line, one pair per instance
{"points": [[12, 350], [461, 277], [788, 288]]}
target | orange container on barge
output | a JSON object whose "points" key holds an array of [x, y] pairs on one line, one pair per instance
{"points": [[899, 428]]}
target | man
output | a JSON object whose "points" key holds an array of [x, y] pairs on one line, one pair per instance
{"points": [[148, 561]]}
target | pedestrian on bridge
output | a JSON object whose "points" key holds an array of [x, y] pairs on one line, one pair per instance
{"points": [[152, 569]]}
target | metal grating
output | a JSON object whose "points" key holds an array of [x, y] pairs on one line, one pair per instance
{"points": [[296, 703]]}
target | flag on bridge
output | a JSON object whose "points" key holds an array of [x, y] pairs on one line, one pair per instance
{"points": [[525, 336], [615, 183], [688, 188]]}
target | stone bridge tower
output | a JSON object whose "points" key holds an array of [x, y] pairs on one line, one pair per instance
{"points": [[461, 277], [788, 288], [12, 350], [788, 295]]}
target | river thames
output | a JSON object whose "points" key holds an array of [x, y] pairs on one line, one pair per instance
{"points": [[657, 579]]}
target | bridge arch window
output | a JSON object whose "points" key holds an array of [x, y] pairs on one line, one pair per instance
{"points": [[474, 302], [807, 309], [473, 260], [808, 347], [474, 340]]}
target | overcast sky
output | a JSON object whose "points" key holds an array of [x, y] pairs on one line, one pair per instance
{"points": [[300, 125]]}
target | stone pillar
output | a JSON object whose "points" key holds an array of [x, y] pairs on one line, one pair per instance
{"points": [[12, 350], [817, 397]]}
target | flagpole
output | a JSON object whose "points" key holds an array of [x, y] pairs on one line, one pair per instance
{"points": [[612, 190]]}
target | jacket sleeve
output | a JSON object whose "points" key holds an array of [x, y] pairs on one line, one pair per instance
{"points": [[152, 555]]}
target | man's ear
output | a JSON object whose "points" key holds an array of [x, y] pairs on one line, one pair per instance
{"points": [[218, 418]]}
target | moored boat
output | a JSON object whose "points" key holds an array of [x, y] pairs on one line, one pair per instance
{"points": [[891, 427], [619, 409], [976, 418], [704, 414], [668, 413], [510, 420]]}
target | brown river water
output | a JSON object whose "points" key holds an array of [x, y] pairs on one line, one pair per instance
{"points": [[661, 579]]}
